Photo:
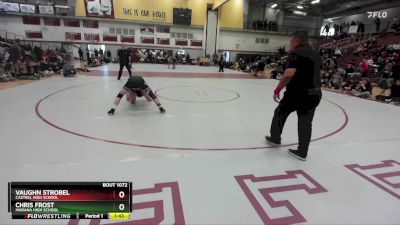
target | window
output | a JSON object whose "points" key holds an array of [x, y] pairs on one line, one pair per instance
{"points": [[131, 31], [147, 40], [163, 29], [111, 30], [31, 20], [119, 31], [33, 34], [163, 41], [125, 31], [71, 23], [182, 35], [91, 23], [196, 43], [262, 40], [111, 38], [129, 39], [73, 36], [92, 37], [51, 22], [181, 42]]}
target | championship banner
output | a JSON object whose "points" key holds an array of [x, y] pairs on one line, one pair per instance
{"points": [[11, 7], [159, 11], [99, 8], [46, 9], [26, 8]]}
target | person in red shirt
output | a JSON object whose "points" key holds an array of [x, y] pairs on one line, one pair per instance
{"points": [[364, 68]]}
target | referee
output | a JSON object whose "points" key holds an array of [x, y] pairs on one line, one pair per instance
{"points": [[303, 93], [124, 61]]}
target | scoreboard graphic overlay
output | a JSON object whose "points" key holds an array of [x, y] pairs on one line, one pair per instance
{"points": [[70, 200]]}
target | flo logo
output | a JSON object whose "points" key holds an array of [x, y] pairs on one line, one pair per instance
{"points": [[261, 190], [381, 15], [158, 205], [385, 175]]}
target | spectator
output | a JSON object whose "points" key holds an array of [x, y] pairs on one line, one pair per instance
{"points": [[2, 54], [80, 52], [221, 64], [378, 25], [188, 61], [260, 69], [338, 53], [336, 80], [326, 77], [88, 55], [349, 86], [342, 72], [363, 89], [96, 53], [326, 29], [15, 52], [362, 27], [394, 93], [359, 50], [364, 68], [336, 28], [396, 27], [350, 68], [109, 59], [215, 58], [101, 52]]}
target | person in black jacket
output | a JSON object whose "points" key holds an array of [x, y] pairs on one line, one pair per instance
{"points": [[101, 52], [221, 64], [88, 55], [303, 93], [124, 61], [96, 53], [80, 52]]}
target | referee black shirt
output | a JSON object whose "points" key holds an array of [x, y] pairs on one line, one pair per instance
{"points": [[307, 79], [123, 55]]}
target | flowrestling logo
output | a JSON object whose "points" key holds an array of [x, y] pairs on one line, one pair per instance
{"points": [[377, 14]]}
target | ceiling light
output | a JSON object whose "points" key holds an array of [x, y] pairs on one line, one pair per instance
{"points": [[300, 13], [274, 5], [315, 2], [300, 7], [62, 6]]}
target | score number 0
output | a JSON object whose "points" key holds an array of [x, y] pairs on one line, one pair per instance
{"points": [[121, 206]]}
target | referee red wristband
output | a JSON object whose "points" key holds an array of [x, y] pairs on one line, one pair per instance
{"points": [[277, 91]]}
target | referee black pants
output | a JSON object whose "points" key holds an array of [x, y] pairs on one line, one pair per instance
{"points": [[121, 66], [305, 108]]}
